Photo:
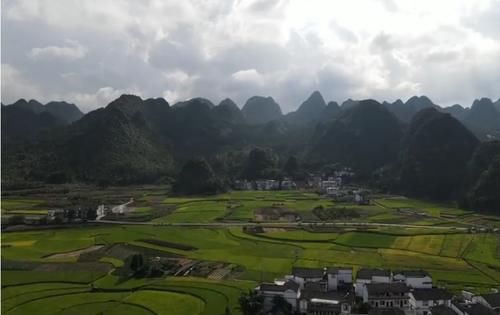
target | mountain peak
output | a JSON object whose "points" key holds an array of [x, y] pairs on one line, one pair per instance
{"points": [[349, 103], [127, 103], [482, 102], [260, 109], [314, 102], [420, 101], [227, 102], [66, 112], [197, 101], [228, 111]]}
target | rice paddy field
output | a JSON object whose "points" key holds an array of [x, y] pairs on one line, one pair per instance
{"points": [[71, 270]]}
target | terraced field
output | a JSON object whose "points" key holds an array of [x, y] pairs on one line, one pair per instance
{"points": [[43, 270]]}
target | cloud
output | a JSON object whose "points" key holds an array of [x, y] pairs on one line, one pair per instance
{"points": [[15, 85], [100, 98], [391, 49], [71, 51], [250, 75]]}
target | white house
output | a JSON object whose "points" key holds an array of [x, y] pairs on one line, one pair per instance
{"points": [[365, 276], [330, 183], [288, 184], [491, 300], [301, 275], [289, 290], [416, 279], [361, 197], [422, 300], [339, 277], [324, 303], [386, 295]]}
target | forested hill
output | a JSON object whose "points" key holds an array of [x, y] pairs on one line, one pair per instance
{"points": [[415, 147]]}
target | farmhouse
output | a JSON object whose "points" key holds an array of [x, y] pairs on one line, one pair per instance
{"points": [[302, 275], [313, 290], [491, 300], [417, 279], [472, 309], [442, 310], [330, 183], [242, 185], [324, 303], [422, 300], [67, 215], [287, 184], [289, 290], [386, 295], [366, 276], [361, 197], [54, 214], [339, 278]]}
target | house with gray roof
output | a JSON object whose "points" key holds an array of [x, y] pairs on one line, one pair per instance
{"points": [[386, 295], [417, 279], [491, 300], [422, 300], [365, 276]]}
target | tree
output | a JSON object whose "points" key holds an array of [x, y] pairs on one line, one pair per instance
{"points": [[251, 303], [281, 306], [291, 166], [259, 163], [485, 194], [197, 177], [137, 262]]}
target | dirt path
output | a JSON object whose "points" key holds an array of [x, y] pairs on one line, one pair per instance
{"points": [[76, 253]]}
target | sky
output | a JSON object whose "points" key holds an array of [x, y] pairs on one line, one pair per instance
{"points": [[90, 52]]}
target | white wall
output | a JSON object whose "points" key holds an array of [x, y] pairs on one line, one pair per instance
{"points": [[332, 281], [345, 276], [419, 283], [359, 286]]}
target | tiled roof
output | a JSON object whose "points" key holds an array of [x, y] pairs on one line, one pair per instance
{"points": [[413, 273], [330, 295], [442, 310], [273, 287], [380, 288], [493, 299], [307, 272], [431, 294], [369, 273], [336, 269], [475, 309]]}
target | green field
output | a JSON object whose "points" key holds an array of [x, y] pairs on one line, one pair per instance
{"points": [[33, 279]]}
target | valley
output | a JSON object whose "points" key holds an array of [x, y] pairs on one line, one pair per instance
{"points": [[210, 249]]}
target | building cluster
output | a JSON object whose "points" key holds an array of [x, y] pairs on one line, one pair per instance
{"points": [[71, 214], [334, 291], [265, 184]]}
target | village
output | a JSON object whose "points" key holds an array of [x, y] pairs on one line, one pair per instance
{"points": [[334, 291], [335, 187]]}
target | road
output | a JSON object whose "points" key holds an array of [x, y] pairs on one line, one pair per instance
{"points": [[282, 224]]}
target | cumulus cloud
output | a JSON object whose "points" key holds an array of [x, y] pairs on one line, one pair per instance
{"points": [[72, 50], [89, 52]]}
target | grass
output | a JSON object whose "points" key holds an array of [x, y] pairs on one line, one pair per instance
{"points": [[454, 258], [161, 302], [363, 239]]}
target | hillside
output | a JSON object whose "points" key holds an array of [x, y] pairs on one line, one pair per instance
{"points": [[436, 150], [259, 110], [146, 141], [365, 137]]}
